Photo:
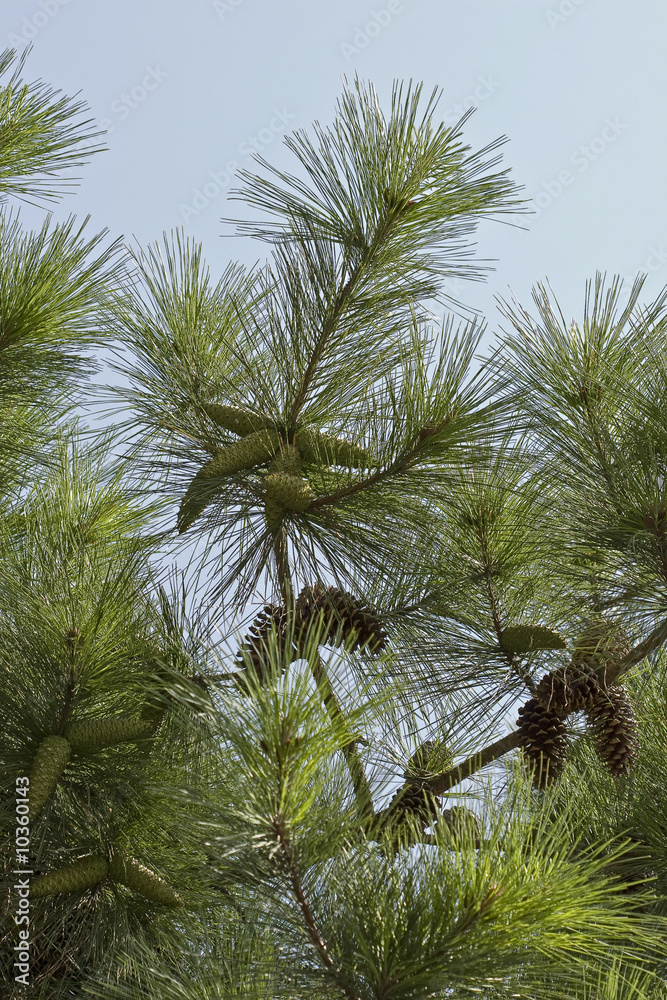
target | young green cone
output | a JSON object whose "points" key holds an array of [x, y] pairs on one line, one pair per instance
{"points": [[527, 638], [291, 492], [254, 449], [50, 760], [108, 732], [326, 449], [130, 872], [235, 418], [81, 874]]}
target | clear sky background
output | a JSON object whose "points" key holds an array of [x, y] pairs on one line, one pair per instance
{"points": [[186, 89]]}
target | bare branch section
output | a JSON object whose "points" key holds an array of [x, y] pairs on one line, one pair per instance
{"points": [[359, 780], [331, 702], [296, 885]]}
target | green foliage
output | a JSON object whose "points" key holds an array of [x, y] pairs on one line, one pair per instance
{"points": [[43, 135], [287, 815]]}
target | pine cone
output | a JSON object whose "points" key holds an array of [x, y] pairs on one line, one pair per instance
{"points": [[543, 741], [82, 874], [416, 799], [50, 760], [429, 758], [108, 732], [346, 620], [602, 643], [253, 449], [613, 723], [291, 492], [318, 448], [461, 821], [568, 689], [527, 638], [128, 871], [288, 460], [256, 644], [235, 419]]}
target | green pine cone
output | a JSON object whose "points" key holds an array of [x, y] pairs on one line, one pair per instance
{"points": [[82, 874], [291, 492], [235, 419], [273, 512], [50, 760], [287, 460], [528, 638], [108, 732], [254, 449], [326, 449], [128, 871]]}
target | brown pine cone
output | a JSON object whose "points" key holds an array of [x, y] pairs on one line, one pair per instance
{"points": [[568, 689], [346, 620], [543, 741], [256, 646], [601, 644], [415, 799], [613, 723]]}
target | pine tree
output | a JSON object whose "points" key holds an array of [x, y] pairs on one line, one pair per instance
{"points": [[326, 802]]}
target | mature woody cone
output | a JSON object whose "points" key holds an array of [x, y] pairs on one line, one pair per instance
{"points": [[346, 620], [50, 760], [108, 732], [613, 723], [568, 689], [461, 821], [131, 873], [430, 757], [82, 874], [235, 418], [318, 448], [416, 799], [602, 643], [253, 449], [527, 638], [543, 741], [256, 645]]}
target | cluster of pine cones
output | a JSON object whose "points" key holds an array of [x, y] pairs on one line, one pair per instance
{"points": [[580, 686], [342, 619]]}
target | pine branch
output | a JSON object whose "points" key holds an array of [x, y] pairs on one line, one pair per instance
{"points": [[309, 918], [399, 465], [332, 705], [448, 779], [359, 780]]}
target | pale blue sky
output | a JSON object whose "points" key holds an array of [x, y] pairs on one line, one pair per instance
{"points": [[577, 85]]}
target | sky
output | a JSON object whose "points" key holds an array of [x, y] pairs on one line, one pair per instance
{"points": [[188, 90]]}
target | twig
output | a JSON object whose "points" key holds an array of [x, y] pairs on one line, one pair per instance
{"points": [[309, 918], [441, 783], [331, 703], [352, 759]]}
